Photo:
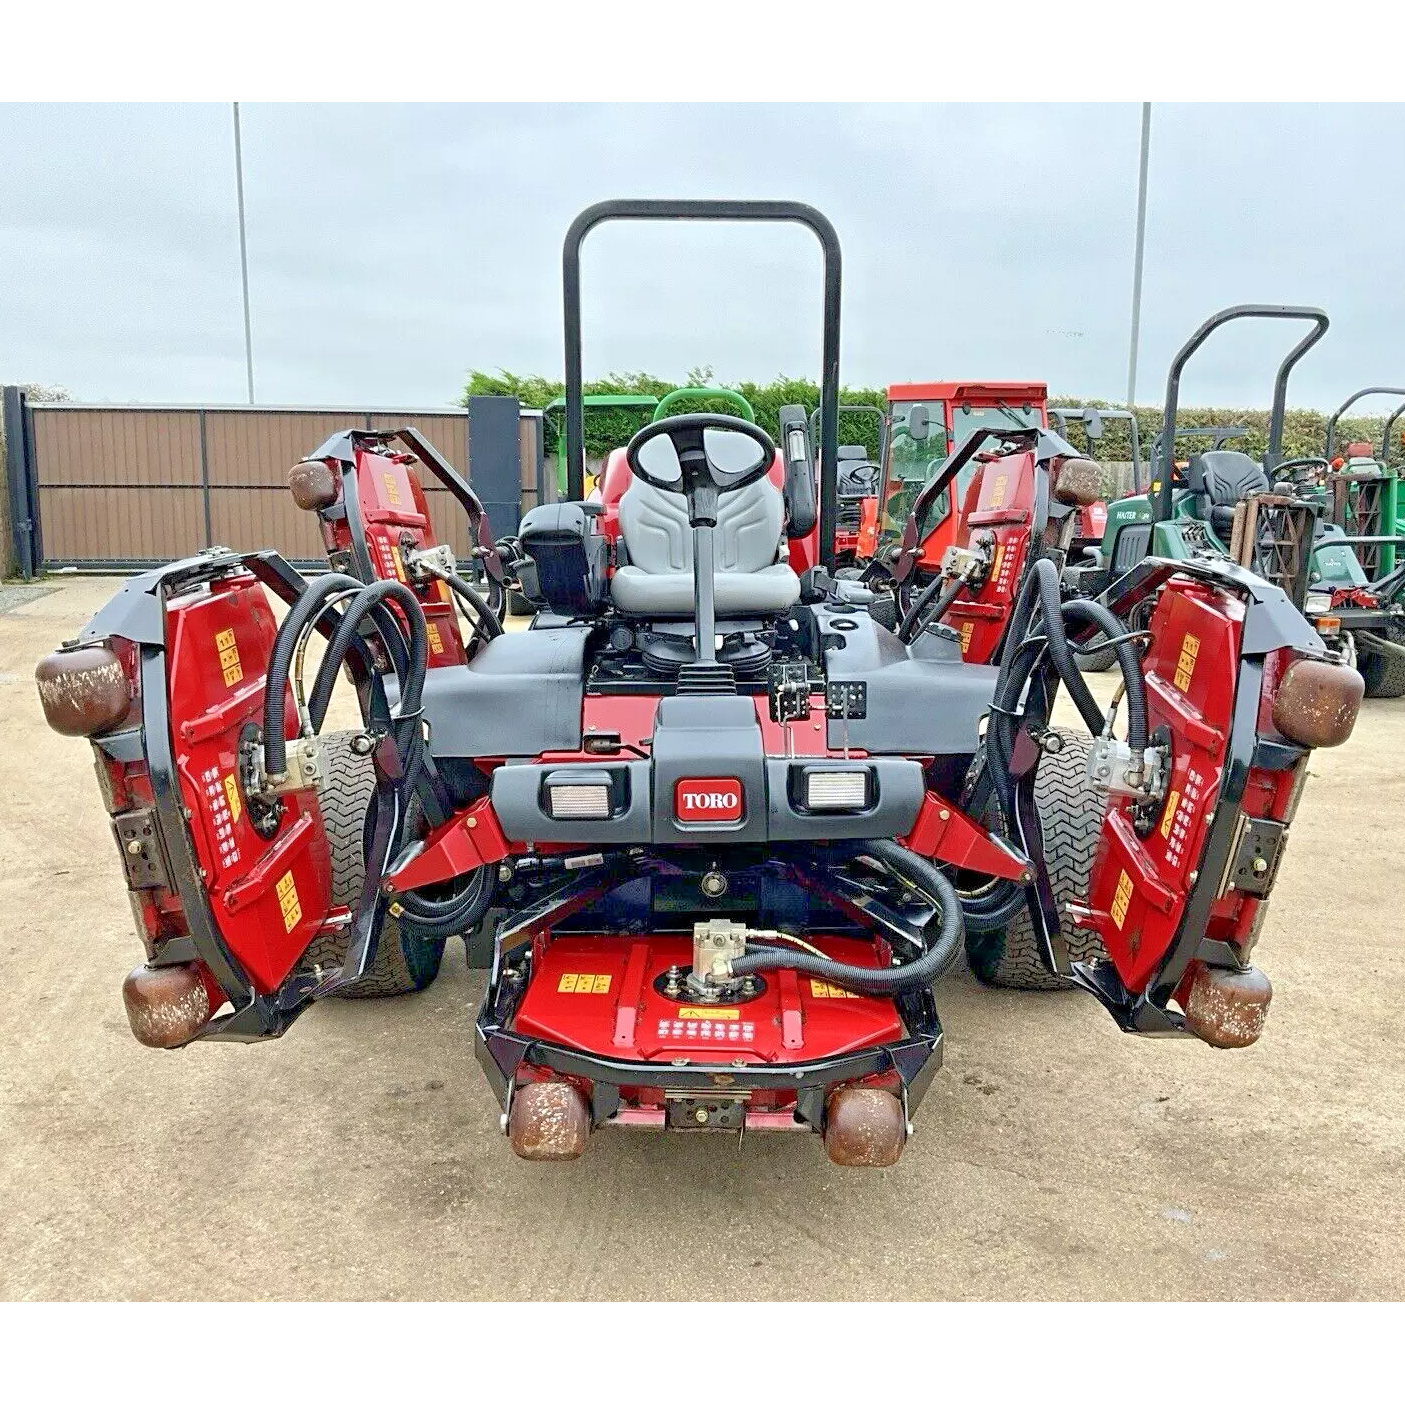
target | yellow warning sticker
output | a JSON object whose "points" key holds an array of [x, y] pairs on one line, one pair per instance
{"points": [[966, 631], [1169, 818], [1121, 898], [398, 563], [229, 657], [822, 990], [231, 792], [691, 1012], [999, 557], [1185, 665], [997, 490], [582, 983], [436, 643], [287, 891], [392, 489]]}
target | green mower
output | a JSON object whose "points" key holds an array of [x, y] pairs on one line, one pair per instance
{"points": [[1270, 517]]}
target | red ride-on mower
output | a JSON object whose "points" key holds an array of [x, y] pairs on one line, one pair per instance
{"points": [[733, 827]]}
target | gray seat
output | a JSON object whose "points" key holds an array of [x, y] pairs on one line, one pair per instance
{"points": [[751, 574], [1227, 477]]}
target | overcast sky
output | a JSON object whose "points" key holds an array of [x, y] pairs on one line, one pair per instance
{"points": [[392, 248]]}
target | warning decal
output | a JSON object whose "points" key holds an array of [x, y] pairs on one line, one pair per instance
{"points": [[231, 791], [1121, 898], [1185, 665], [287, 891], [229, 657], [577, 983], [1172, 801], [822, 990]]}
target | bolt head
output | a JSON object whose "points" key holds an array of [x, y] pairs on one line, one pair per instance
{"points": [[700, 1116]]}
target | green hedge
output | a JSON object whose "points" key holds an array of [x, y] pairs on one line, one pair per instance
{"points": [[1304, 431]]}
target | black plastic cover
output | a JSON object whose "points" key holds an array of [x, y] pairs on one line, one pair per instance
{"points": [[570, 557]]}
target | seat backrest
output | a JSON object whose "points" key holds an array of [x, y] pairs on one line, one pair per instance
{"points": [[1227, 476], [659, 539]]}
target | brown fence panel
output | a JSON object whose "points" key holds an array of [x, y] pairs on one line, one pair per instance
{"points": [[256, 448], [135, 448], [128, 486], [90, 526]]}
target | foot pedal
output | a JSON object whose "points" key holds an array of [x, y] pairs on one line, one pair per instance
{"points": [[706, 679]]}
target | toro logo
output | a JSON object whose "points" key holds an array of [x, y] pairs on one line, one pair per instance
{"points": [[707, 800]]}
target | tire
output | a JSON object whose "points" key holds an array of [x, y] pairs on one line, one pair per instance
{"points": [[518, 606], [1385, 676], [1098, 662], [402, 964], [1070, 812]]}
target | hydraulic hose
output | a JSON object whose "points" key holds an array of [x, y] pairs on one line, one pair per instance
{"points": [[424, 916], [394, 639], [487, 625], [1127, 660], [908, 625], [1046, 578], [372, 601], [387, 625], [914, 975], [305, 610]]}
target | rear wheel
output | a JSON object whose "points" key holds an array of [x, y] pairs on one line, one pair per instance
{"points": [[1384, 673], [1070, 812], [402, 963], [1100, 660]]}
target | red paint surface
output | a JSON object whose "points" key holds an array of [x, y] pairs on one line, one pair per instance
{"points": [[396, 517], [1196, 704], [243, 871], [787, 1023]]}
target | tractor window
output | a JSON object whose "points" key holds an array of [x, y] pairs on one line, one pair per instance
{"points": [[911, 461], [966, 418]]}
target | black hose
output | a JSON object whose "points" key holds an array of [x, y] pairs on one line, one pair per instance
{"points": [[907, 626], [305, 610], [373, 600], [1128, 660], [424, 916], [486, 624], [992, 911], [369, 602], [1051, 602], [892, 980], [329, 670]]}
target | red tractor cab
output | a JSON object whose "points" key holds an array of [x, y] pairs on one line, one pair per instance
{"points": [[928, 421]]}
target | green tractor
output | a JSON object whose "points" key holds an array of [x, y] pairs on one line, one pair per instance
{"points": [[1362, 491], [1270, 517]]}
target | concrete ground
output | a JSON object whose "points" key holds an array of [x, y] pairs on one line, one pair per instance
{"points": [[359, 1157]]}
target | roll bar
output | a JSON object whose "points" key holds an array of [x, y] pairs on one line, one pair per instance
{"points": [[1348, 403], [1161, 468], [783, 211], [1385, 434], [855, 409]]}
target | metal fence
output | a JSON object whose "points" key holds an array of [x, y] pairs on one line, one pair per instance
{"points": [[116, 488]]}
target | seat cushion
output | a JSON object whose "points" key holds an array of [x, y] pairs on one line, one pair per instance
{"points": [[770, 591], [1229, 476], [748, 552]]}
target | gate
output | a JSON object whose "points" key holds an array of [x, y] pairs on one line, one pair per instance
{"points": [[122, 488]]}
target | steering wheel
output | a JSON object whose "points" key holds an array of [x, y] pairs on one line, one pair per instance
{"points": [[701, 456], [1291, 470]]}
